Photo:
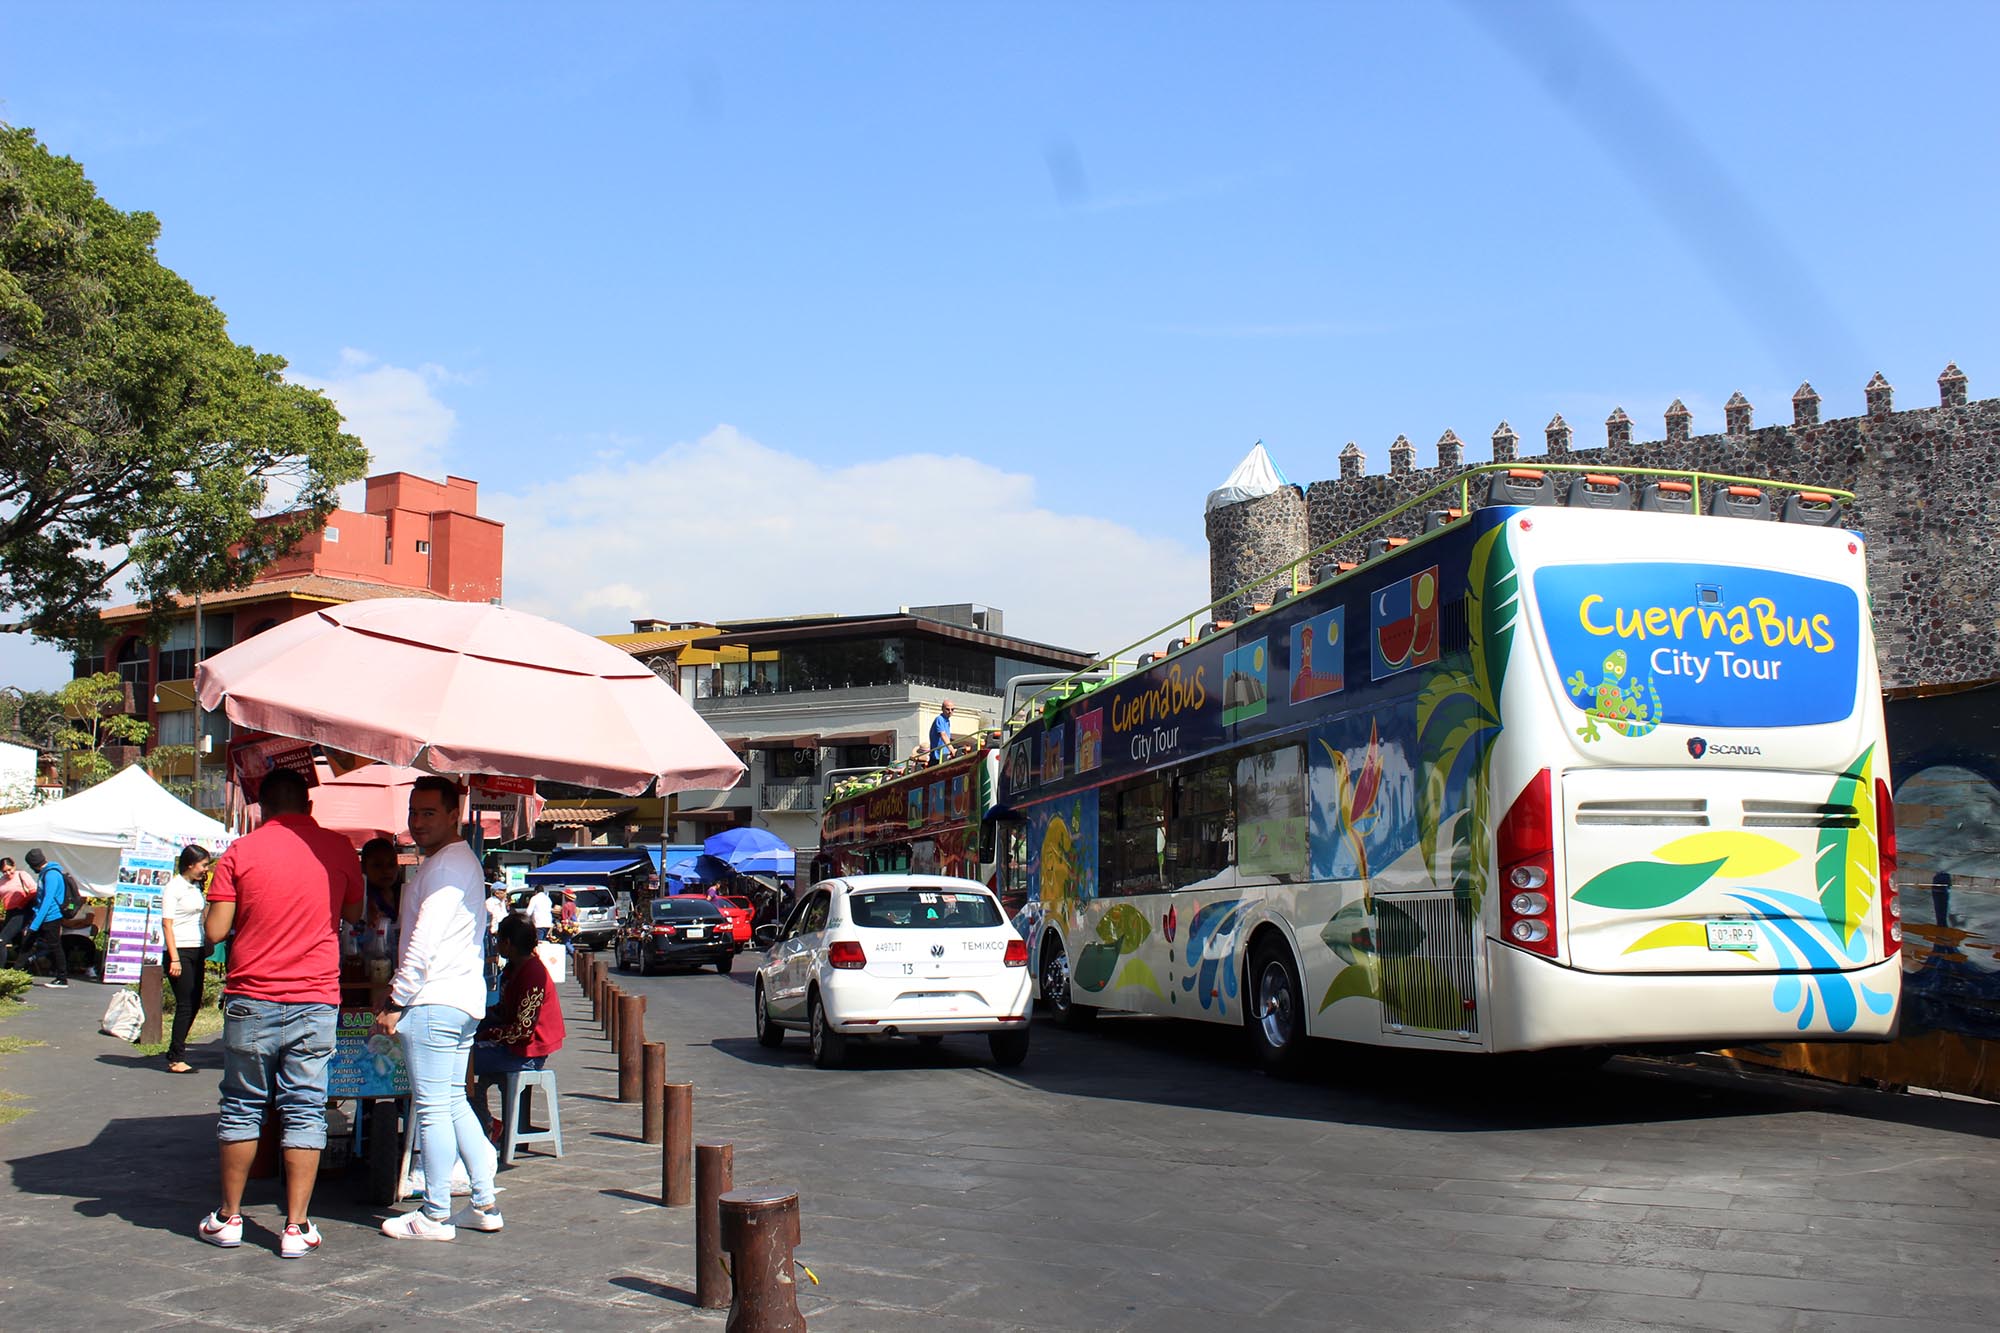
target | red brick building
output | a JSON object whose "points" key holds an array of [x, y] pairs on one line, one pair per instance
{"points": [[412, 538]]}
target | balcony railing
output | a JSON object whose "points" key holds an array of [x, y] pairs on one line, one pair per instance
{"points": [[797, 796]]}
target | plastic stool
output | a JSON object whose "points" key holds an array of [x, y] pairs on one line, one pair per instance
{"points": [[515, 1088]]}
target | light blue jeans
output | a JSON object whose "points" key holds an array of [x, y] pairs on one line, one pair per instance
{"points": [[436, 1041], [274, 1052]]}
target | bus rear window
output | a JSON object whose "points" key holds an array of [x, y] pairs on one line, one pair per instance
{"points": [[1702, 645], [923, 909]]}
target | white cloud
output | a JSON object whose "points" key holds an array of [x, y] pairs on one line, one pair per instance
{"points": [[728, 528], [394, 410]]}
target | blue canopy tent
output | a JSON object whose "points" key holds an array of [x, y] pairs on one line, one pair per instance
{"points": [[752, 850], [605, 866]]}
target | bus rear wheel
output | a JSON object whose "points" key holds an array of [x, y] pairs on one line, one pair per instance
{"points": [[1056, 988], [1275, 1012]]}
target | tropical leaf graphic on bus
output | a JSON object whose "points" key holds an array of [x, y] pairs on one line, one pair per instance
{"points": [[1804, 939], [1125, 926], [1120, 932], [1846, 867], [1632, 886], [1356, 790], [1458, 717], [1211, 953], [1354, 933]]}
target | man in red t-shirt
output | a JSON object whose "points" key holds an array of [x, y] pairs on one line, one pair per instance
{"points": [[282, 891]]}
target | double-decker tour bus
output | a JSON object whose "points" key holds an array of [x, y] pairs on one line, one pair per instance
{"points": [[1548, 776], [931, 820]]}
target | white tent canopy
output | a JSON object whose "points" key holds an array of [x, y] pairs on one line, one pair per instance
{"points": [[1255, 477], [85, 833]]}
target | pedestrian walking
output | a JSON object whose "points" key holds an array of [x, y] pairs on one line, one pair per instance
{"points": [[278, 894], [435, 1003], [184, 948], [541, 915], [51, 908]]}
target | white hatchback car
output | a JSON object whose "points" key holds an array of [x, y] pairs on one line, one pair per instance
{"points": [[895, 956]]}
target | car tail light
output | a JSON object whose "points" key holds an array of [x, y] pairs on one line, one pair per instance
{"points": [[665, 932], [1017, 953], [1885, 858], [1525, 851], [846, 954]]}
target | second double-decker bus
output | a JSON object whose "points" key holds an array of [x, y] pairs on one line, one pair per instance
{"points": [[931, 820], [1549, 776]]}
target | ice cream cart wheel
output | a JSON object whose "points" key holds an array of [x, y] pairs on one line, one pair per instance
{"points": [[385, 1152]]}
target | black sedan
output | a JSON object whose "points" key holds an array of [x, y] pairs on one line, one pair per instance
{"points": [[677, 932]]}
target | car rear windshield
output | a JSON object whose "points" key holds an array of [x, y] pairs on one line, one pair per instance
{"points": [[591, 897], [923, 909], [668, 909]]}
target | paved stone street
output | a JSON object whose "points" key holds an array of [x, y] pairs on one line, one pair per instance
{"points": [[1142, 1176]]}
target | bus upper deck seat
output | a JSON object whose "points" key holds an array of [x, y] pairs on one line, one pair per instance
{"points": [[1600, 490], [1520, 486], [1728, 501], [1811, 507], [1175, 645], [1667, 497], [1332, 569], [1437, 518], [1206, 631], [1383, 545]]}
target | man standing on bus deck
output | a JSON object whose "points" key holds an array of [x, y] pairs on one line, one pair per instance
{"points": [[941, 734]]}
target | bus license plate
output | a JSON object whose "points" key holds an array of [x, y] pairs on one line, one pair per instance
{"points": [[1733, 936]]}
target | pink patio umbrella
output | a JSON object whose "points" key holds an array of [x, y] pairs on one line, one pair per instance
{"points": [[370, 801], [456, 687]]}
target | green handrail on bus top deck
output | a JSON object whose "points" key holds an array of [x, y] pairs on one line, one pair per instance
{"points": [[1072, 686]]}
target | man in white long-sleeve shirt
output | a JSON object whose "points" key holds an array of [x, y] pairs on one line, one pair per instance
{"points": [[435, 1003]]}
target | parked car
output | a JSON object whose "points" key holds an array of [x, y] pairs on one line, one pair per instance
{"points": [[874, 956], [677, 932], [736, 911]]}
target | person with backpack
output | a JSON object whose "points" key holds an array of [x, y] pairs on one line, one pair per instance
{"points": [[57, 903]]}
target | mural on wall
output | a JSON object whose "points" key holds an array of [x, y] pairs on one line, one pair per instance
{"points": [[1948, 845]]}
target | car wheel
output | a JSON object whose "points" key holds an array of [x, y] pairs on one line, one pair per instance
{"points": [[768, 1033], [829, 1048], [1056, 990], [728, 961], [1275, 1011], [1009, 1048]]}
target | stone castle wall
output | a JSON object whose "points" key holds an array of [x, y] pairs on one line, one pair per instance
{"points": [[1923, 482]]}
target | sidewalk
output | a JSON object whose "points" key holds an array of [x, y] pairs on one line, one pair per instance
{"points": [[114, 1163]]}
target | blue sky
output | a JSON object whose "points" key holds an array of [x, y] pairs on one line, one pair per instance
{"points": [[758, 309]]}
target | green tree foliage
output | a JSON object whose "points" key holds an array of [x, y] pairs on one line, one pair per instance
{"points": [[135, 435], [94, 707]]}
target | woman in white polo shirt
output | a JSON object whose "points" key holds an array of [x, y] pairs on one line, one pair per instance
{"points": [[183, 949]]}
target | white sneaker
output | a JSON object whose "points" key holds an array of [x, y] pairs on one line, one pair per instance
{"points": [[413, 1225], [298, 1241], [224, 1231], [473, 1217]]}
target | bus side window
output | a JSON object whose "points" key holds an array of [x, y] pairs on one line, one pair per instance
{"points": [[1201, 833], [1132, 838], [1271, 834]]}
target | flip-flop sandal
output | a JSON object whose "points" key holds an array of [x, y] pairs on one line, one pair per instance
{"points": [[180, 1067]]}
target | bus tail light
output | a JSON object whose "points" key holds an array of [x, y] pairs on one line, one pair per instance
{"points": [[1017, 953], [1525, 848], [846, 955], [1885, 855]]}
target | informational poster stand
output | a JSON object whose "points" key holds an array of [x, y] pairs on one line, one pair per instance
{"points": [[136, 916]]}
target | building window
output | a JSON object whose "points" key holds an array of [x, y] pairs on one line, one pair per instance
{"points": [[423, 548], [177, 727], [135, 665], [333, 534]]}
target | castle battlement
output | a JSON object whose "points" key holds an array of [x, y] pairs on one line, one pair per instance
{"points": [[1923, 481]]}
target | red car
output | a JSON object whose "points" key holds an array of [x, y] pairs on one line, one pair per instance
{"points": [[738, 910]]}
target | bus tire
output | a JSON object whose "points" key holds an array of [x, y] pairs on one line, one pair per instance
{"points": [[1056, 992], [1274, 1007]]}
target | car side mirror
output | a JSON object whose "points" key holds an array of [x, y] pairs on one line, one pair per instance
{"points": [[764, 936]]}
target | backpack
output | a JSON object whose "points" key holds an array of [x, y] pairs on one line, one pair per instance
{"points": [[71, 903]]}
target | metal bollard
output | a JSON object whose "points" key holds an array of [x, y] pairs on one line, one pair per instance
{"points": [[677, 1156], [759, 1229], [631, 1045], [653, 1092], [611, 1016], [152, 1000], [714, 1176], [597, 986]]}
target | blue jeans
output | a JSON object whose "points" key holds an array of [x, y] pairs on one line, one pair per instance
{"points": [[274, 1051], [436, 1040], [492, 1062]]}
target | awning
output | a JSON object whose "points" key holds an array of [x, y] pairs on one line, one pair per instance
{"points": [[808, 741], [572, 816], [860, 738], [592, 865]]}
